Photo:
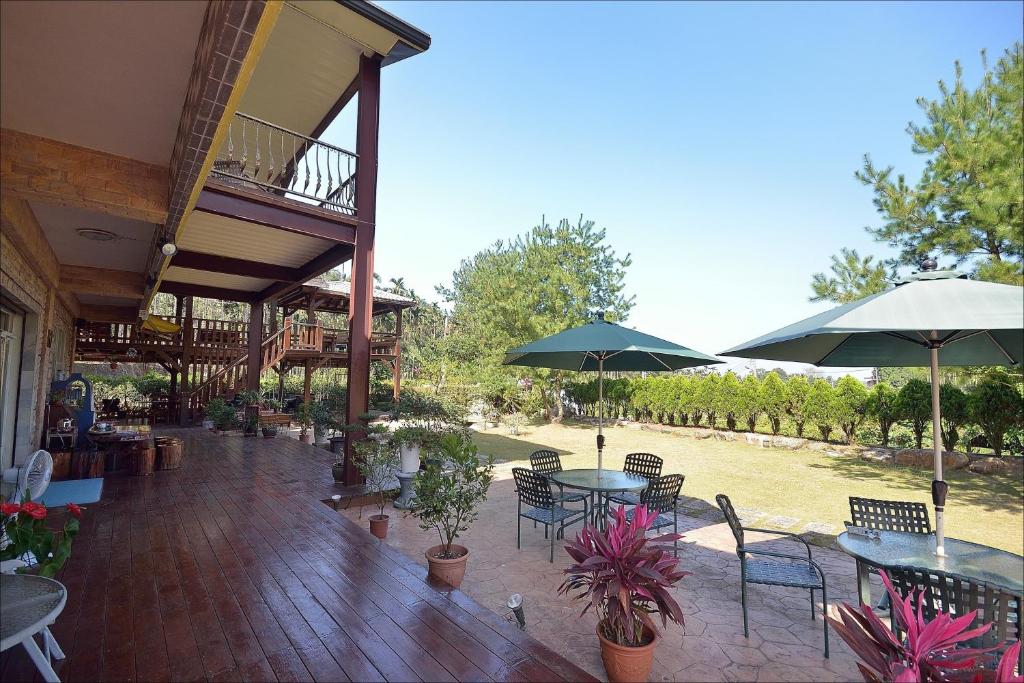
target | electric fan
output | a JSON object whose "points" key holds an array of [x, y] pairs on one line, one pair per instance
{"points": [[31, 478]]}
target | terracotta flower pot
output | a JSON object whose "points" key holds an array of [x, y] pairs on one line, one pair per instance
{"points": [[449, 571], [379, 525], [306, 438], [625, 664]]}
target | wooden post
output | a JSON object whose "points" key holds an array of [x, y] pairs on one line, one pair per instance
{"points": [[172, 397], [186, 361], [280, 381], [361, 298], [254, 363], [272, 306], [307, 382], [396, 370]]}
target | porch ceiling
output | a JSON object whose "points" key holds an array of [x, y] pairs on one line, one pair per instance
{"points": [[312, 57], [121, 95], [128, 251], [212, 234], [211, 279]]}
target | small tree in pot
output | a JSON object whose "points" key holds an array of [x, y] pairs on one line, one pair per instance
{"points": [[377, 461], [304, 416], [625, 577], [452, 484]]}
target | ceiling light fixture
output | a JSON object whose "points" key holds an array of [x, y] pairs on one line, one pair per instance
{"points": [[167, 247], [96, 234]]}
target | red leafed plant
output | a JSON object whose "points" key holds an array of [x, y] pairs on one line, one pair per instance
{"points": [[928, 653], [625, 576]]}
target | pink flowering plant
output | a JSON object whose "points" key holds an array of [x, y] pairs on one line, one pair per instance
{"points": [[931, 650], [625, 577], [26, 535]]}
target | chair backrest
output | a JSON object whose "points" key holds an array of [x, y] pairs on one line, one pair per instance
{"points": [[957, 595], [646, 465], [546, 462], [533, 489], [660, 495], [890, 515], [731, 517]]}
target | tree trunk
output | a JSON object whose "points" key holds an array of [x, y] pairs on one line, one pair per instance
{"points": [[559, 412]]}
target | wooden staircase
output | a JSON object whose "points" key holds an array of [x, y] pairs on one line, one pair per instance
{"points": [[232, 373]]}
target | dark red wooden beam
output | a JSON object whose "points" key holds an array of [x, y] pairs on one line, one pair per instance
{"points": [[333, 257], [189, 289], [272, 211], [361, 300], [234, 266]]}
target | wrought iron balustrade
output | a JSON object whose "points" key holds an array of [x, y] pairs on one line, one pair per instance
{"points": [[260, 155]]}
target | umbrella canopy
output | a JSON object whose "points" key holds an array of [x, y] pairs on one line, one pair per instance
{"points": [[601, 345], [973, 323], [619, 348]]}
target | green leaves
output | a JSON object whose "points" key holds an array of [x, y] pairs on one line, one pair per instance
{"points": [[996, 405], [853, 277], [914, 405]]}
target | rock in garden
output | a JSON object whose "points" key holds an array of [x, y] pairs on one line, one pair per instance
{"points": [[990, 466], [789, 442], [920, 457]]}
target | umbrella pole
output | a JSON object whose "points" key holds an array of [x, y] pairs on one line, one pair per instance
{"points": [[600, 411], [939, 487]]}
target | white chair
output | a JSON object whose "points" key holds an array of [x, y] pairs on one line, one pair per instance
{"points": [[29, 605]]}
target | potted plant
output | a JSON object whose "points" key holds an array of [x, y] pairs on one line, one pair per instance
{"points": [[409, 441], [269, 431], [222, 414], [935, 650], [24, 526], [448, 491], [304, 416], [322, 421], [377, 462], [338, 471], [625, 577]]}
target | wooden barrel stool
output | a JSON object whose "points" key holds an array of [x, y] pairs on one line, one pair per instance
{"points": [[168, 452], [86, 464], [141, 460]]}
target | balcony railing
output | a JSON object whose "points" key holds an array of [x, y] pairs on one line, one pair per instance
{"points": [[260, 155]]}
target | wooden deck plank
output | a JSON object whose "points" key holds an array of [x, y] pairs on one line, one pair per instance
{"points": [[231, 568]]}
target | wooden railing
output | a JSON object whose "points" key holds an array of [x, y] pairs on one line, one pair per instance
{"points": [[123, 333], [233, 374], [306, 336]]}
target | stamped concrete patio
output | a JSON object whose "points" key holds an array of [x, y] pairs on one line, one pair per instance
{"points": [[784, 644]]}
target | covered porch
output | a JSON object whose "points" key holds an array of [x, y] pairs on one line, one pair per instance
{"points": [[232, 568]]}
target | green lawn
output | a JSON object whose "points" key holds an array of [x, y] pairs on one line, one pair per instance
{"points": [[807, 485]]}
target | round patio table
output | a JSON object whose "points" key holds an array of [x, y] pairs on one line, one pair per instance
{"points": [[599, 483], [963, 558], [28, 605]]}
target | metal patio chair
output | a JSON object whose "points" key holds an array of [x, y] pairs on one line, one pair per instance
{"points": [[888, 515], [538, 504], [549, 462], [959, 595], [798, 572], [662, 497], [646, 465]]}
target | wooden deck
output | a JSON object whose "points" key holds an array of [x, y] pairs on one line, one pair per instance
{"points": [[232, 568]]}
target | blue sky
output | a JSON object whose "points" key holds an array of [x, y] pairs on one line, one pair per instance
{"points": [[716, 143]]}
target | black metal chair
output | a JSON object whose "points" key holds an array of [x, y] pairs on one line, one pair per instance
{"points": [[957, 596], [799, 572], [549, 462], [541, 506], [662, 497], [646, 465], [888, 515]]}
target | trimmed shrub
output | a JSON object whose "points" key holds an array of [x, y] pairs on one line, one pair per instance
{"points": [[914, 405], [850, 404], [820, 407], [881, 405], [953, 409], [798, 387], [774, 399], [995, 406]]}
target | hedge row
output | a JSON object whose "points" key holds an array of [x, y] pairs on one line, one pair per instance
{"points": [[990, 413]]}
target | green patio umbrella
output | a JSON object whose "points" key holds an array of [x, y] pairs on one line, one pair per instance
{"points": [[973, 323], [601, 345]]}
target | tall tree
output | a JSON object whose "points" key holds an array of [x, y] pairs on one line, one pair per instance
{"points": [[969, 202], [537, 284], [852, 277]]}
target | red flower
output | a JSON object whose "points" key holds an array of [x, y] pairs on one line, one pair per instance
{"points": [[10, 508], [33, 510], [75, 510]]}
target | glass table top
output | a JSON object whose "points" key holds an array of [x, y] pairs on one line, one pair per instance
{"points": [[898, 548], [599, 480]]}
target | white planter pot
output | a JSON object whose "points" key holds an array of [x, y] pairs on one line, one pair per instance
{"points": [[207, 424], [410, 456]]}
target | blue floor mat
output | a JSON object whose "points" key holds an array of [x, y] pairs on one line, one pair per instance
{"points": [[79, 491]]}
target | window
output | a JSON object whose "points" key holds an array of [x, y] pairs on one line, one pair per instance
{"points": [[11, 325]]}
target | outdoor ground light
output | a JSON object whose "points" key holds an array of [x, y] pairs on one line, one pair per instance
{"points": [[515, 603], [335, 499]]}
